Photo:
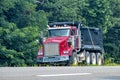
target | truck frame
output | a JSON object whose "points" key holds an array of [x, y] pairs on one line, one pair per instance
{"points": [[69, 43]]}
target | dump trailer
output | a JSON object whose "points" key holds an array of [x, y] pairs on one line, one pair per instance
{"points": [[70, 43]]}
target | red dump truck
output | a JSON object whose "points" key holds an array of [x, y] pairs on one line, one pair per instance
{"points": [[69, 43]]}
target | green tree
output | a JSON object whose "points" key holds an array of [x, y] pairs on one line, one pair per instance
{"points": [[112, 43], [24, 14], [63, 10], [18, 46], [5, 5], [116, 12], [97, 14], [111, 38], [20, 23]]}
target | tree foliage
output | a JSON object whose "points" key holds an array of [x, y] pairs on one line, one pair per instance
{"points": [[21, 21], [112, 43]]}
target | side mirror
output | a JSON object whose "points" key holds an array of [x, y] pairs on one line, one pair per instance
{"points": [[41, 34], [37, 41]]}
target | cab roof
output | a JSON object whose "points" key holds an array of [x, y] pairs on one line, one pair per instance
{"points": [[68, 27], [64, 24]]}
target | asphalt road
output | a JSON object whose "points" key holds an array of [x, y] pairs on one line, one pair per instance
{"points": [[60, 73]]}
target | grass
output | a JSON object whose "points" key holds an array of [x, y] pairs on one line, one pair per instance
{"points": [[112, 64]]}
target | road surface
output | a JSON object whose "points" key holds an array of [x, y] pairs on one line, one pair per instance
{"points": [[60, 73]]}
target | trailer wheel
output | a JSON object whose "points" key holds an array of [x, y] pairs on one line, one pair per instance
{"points": [[93, 58], [87, 58], [73, 59], [99, 59]]}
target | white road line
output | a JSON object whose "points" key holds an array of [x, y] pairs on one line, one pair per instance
{"points": [[57, 75]]}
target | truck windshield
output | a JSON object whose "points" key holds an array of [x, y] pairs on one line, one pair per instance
{"points": [[58, 32]]}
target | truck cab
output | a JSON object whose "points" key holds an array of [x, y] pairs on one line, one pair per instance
{"points": [[59, 45]]}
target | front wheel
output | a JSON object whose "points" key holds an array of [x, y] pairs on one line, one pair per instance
{"points": [[73, 59]]}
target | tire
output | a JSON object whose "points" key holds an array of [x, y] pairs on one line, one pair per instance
{"points": [[87, 58], [93, 58], [73, 59], [99, 59]]}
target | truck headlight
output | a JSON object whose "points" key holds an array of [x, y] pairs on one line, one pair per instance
{"points": [[65, 52], [40, 53]]}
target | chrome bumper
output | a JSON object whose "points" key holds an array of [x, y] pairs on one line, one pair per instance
{"points": [[53, 59]]}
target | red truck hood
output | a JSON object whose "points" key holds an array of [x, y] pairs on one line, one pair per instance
{"points": [[56, 39]]}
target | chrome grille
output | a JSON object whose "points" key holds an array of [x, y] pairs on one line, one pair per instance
{"points": [[51, 49]]}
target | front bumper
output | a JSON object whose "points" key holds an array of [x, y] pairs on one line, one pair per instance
{"points": [[52, 59]]}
